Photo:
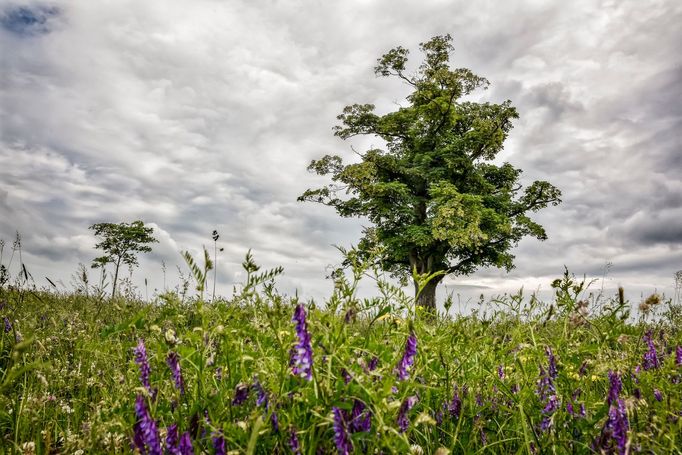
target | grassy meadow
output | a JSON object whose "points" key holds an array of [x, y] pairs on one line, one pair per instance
{"points": [[262, 372]]}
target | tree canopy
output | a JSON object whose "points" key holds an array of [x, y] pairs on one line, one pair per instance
{"points": [[120, 243], [436, 199]]}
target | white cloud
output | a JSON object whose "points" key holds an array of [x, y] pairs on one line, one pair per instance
{"points": [[204, 116]]}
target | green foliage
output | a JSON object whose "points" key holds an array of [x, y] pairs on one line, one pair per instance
{"points": [[68, 377], [200, 276], [436, 199], [121, 242]]}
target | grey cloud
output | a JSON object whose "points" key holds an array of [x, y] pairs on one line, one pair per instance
{"points": [[205, 117]]}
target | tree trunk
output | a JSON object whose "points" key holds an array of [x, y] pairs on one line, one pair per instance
{"points": [[427, 297], [113, 290]]}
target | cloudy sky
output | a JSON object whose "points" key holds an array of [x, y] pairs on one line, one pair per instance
{"points": [[203, 115]]}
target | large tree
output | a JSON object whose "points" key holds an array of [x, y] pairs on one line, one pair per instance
{"points": [[120, 243], [435, 197]]}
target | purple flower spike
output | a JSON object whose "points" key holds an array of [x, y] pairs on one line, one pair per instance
{"points": [[261, 394], [455, 406], [241, 394], [346, 376], [361, 417], [172, 440], [148, 433], [143, 363], [8, 325], [545, 386], [219, 444], [650, 359], [678, 356], [294, 445], [374, 362], [302, 354], [186, 444], [615, 387], [406, 362], [274, 422], [552, 405], [583, 369], [173, 362], [658, 395], [405, 407], [552, 368], [500, 372], [341, 438], [138, 438], [615, 431]]}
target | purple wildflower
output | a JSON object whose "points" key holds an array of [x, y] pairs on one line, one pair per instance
{"points": [[8, 325], [516, 388], [207, 424], [274, 422], [637, 393], [650, 359], [375, 361], [219, 444], [545, 423], [615, 387], [261, 394], [341, 438], [138, 438], [346, 376], [186, 444], [439, 415], [569, 409], [241, 393], [479, 400], [173, 362], [545, 386], [583, 369], [552, 405], [219, 374], [615, 430], [294, 445], [678, 356], [361, 417], [658, 395], [148, 431], [302, 354], [143, 363], [583, 413], [406, 362], [484, 437], [349, 316], [405, 407], [455, 405], [551, 368], [172, 440], [500, 371]]}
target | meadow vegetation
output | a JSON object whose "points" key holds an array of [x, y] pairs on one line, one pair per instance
{"points": [[263, 372]]}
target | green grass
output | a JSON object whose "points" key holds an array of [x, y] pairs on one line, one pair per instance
{"points": [[69, 377]]}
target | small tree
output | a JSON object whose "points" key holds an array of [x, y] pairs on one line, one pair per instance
{"points": [[437, 201], [121, 242]]}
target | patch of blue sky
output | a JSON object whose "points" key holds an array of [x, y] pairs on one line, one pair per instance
{"points": [[28, 21]]}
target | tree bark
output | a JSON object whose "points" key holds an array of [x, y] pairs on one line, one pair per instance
{"points": [[427, 297], [113, 290]]}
